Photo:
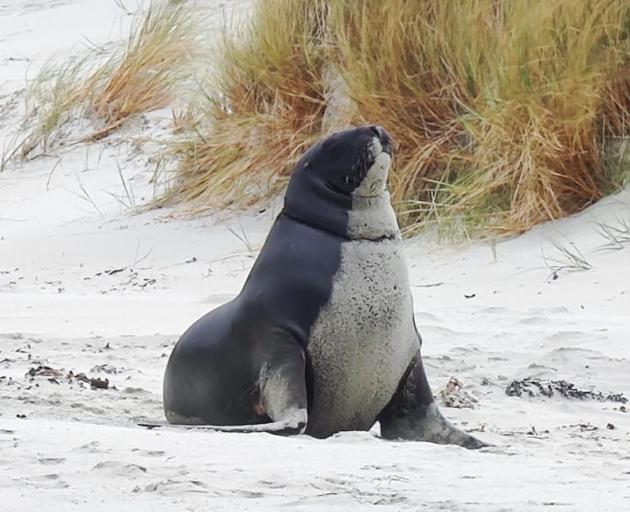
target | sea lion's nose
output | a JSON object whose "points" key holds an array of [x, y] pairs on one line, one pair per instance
{"points": [[384, 138]]}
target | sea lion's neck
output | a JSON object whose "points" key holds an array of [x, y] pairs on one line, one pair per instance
{"points": [[353, 217], [372, 218], [313, 203]]}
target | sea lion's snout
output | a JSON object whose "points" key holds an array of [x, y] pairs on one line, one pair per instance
{"points": [[384, 139], [373, 181]]}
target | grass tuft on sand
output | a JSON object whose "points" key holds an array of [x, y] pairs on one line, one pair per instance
{"points": [[500, 110], [110, 85], [259, 111]]}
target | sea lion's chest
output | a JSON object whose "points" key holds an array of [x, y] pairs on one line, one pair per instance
{"points": [[363, 339]]}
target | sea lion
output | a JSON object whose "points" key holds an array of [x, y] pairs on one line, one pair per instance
{"points": [[322, 337]]}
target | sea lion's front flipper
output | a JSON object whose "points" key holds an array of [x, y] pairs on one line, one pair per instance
{"points": [[413, 415], [282, 385]]}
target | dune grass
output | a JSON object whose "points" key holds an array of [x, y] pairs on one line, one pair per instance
{"points": [[109, 86], [499, 109], [259, 111]]}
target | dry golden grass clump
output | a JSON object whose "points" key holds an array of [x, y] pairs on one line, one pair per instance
{"points": [[109, 87], [499, 108], [265, 107]]}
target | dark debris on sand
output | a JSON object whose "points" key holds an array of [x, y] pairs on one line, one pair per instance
{"points": [[533, 388], [53, 375]]}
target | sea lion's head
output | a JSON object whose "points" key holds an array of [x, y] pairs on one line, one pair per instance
{"points": [[350, 162], [340, 176]]}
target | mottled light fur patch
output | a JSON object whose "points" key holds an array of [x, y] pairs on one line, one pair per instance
{"points": [[372, 218], [364, 338]]}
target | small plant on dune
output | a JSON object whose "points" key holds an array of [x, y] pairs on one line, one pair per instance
{"points": [[135, 77], [617, 236], [52, 100], [499, 109], [143, 76], [569, 259]]}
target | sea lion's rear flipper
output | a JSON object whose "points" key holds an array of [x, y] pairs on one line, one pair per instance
{"points": [[413, 415], [281, 389]]}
